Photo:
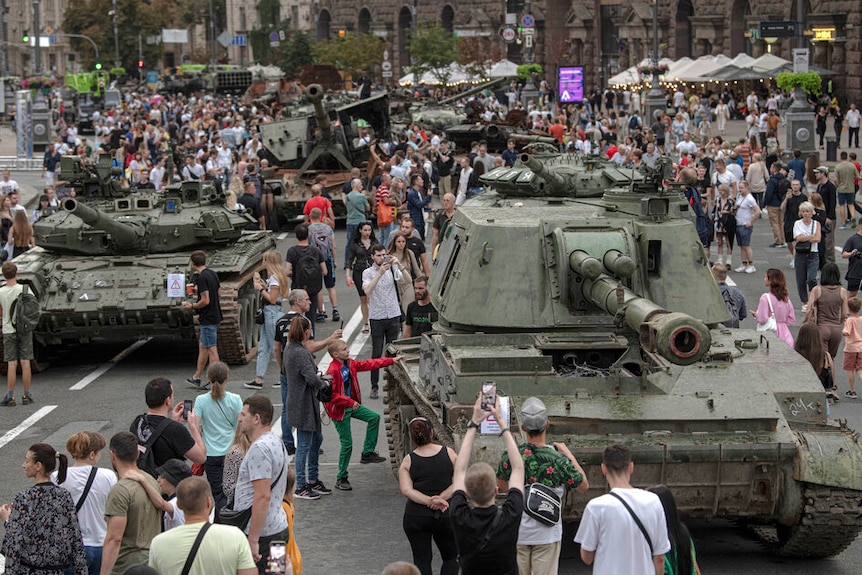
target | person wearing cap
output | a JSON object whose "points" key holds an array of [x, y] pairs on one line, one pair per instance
{"points": [[223, 550], [846, 174], [164, 499], [829, 193], [553, 466]]}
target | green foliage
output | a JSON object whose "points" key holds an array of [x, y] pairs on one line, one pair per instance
{"points": [[295, 53], [353, 53], [809, 82], [432, 49], [526, 71], [117, 72]]}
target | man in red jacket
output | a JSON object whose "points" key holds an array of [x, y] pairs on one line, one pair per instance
{"points": [[347, 404]]}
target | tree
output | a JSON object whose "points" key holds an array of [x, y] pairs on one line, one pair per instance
{"points": [[295, 53], [474, 53], [352, 53], [432, 49]]}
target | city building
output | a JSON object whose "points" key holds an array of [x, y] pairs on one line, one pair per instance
{"points": [[58, 58]]}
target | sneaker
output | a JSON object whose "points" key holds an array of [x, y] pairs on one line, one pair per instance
{"points": [[842, 227], [253, 385], [773, 245], [750, 269], [319, 487], [291, 450], [277, 384], [374, 394], [335, 315], [306, 493], [853, 222], [372, 457], [343, 484], [9, 401], [205, 386], [793, 263], [27, 399], [321, 317], [781, 245], [740, 269], [850, 394], [195, 382], [804, 308]]}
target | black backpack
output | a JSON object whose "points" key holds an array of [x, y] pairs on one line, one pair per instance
{"points": [[25, 311], [146, 458], [307, 274], [732, 307]]}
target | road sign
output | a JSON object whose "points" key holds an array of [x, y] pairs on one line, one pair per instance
{"points": [[508, 33], [224, 39], [386, 65], [281, 35], [273, 36], [528, 41], [800, 60], [527, 21], [529, 31], [239, 40], [385, 54], [386, 74], [778, 29]]}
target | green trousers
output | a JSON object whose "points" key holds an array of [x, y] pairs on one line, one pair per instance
{"points": [[372, 418]]}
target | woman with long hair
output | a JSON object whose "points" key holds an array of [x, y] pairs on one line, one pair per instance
{"points": [[681, 559], [303, 408], [358, 260], [85, 447], [827, 308], [232, 461], [409, 268], [217, 412], [425, 479], [806, 234], [776, 302], [809, 345], [42, 534], [21, 234], [272, 291]]}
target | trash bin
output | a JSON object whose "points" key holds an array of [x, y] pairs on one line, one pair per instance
{"points": [[831, 149]]}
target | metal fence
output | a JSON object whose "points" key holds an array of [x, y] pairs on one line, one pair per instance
{"points": [[20, 164]]}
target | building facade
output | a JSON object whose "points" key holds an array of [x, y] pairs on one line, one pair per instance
{"points": [[57, 57]]}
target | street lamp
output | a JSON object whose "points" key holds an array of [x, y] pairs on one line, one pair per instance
{"points": [[415, 29], [655, 99], [115, 14], [37, 49]]}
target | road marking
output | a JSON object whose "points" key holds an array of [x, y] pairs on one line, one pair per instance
{"points": [[102, 369], [281, 236], [730, 282], [13, 433]]}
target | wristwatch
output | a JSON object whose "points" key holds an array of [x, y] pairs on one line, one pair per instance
{"points": [[473, 425]]}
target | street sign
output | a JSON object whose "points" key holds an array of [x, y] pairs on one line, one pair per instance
{"points": [[527, 21], [239, 40], [224, 39], [386, 65], [273, 36], [778, 29], [281, 35], [800, 60], [508, 33], [385, 54], [528, 41], [529, 31], [386, 74]]}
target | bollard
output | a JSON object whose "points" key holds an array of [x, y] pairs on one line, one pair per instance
{"points": [[831, 149]]}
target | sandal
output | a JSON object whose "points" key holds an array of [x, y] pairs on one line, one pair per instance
{"points": [[366, 329]]}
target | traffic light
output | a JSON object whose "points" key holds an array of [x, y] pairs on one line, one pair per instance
{"points": [[140, 64], [98, 65], [25, 38]]}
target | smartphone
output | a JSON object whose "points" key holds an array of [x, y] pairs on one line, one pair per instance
{"points": [[387, 258], [489, 395], [342, 325], [188, 405], [277, 557]]}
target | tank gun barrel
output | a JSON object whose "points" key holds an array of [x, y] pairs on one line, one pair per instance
{"points": [[471, 91], [533, 139], [123, 235], [678, 337], [556, 184], [315, 93]]}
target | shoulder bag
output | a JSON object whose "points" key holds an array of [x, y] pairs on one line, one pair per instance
{"points": [[805, 247], [190, 560], [542, 504], [771, 324], [637, 520], [486, 538], [240, 518], [87, 487]]}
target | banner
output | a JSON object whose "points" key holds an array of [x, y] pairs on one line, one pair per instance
{"points": [[24, 119]]}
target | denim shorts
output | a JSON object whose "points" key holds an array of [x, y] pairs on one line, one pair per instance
{"points": [[209, 335], [848, 198], [743, 236]]}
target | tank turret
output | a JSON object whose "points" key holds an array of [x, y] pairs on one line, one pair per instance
{"points": [[125, 236], [585, 285]]}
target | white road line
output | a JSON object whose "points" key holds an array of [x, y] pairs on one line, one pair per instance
{"points": [[730, 282], [281, 236], [102, 369], [13, 433]]}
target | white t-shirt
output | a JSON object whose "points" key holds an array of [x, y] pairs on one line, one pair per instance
{"points": [[800, 229], [608, 529], [91, 517], [178, 518], [265, 460], [727, 178], [745, 209], [6, 187]]}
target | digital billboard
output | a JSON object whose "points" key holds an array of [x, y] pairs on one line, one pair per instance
{"points": [[571, 83]]}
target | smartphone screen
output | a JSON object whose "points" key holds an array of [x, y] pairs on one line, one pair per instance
{"points": [[489, 395], [187, 407], [277, 557]]}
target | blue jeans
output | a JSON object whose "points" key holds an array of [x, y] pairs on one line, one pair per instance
{"points": [[806, 273], [94, 561], [307, 455], [286, 428], [351, 229], [271, 315]]}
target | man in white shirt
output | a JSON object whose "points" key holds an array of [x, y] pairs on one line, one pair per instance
{"points": [[686, 145], [8, 185], [380, 283], [610, 538], [853, 118]]}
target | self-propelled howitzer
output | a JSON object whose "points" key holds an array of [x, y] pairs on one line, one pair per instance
{"points": [[605, 308]]}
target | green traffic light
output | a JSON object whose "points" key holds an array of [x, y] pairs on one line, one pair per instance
{"points": [[26, 37], [98, 65]]}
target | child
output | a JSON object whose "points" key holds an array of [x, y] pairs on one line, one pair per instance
{"points": [[347, 403], [289, 510], [169, 476], [853, 345]]}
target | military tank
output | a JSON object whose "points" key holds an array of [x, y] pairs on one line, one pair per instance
{"points": [[604, 307], [102, 264]]}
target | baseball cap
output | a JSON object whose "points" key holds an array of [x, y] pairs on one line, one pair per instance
{"points": [[534, 414], [822, 169], [174, 471]]}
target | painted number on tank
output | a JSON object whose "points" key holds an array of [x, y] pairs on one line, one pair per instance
{"points": [[799, 406]]}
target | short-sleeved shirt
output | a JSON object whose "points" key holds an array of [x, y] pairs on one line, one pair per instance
{"points": [[282, 326], [252, 204], [416, 246], [745, 205], [173, 443], [357, 208], [223, 551], [440, 220], [207, 281], [143, 521], [420, 317], [317, 202], [8, 294], [854, 264], [218, 421], [500, 554], [294, 254], [266, 459]]}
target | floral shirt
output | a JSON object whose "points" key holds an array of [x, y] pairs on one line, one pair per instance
{"points": [[42, 534], [543, 465]]}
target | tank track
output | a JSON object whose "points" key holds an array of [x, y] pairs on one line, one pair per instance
{"points": [[399, 393], [831, 520]]}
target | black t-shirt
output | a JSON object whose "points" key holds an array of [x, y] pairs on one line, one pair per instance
{"points": [[294, 254], [440, 220], [854, 264], [500, 554], [282, 326], [416, 246], [207, 281], [173, 443], [252, 204], [421, 317], [791, 212]]}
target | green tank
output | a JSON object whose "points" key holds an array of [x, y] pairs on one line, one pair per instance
{"points": [[604, 307], [101, 265]]}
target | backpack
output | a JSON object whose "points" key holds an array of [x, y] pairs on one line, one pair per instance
{"points": [[732, 308], [435, 174], [146, 458], [322, 239], [634, 123], [307, 273], [25, 311]]}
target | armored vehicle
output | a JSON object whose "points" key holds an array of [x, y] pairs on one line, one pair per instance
{"points": [[114, 263], [604, 307]]}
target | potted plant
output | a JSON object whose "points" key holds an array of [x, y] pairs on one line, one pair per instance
{"points": [[653, 70], [39, 83], [802, 84]]}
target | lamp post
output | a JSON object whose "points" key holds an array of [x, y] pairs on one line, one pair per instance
{"points": [[414, 29], [115, 14], [213, 34], [655, 99], [4, 37], [37, 34]]}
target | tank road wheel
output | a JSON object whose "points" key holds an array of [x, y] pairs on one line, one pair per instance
{"points": [[249, 328], [831, 520], [238, 333]]}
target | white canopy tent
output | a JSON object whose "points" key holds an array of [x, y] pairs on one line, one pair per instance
{"points": [[456, 75], [502, 69], [702, 67]]}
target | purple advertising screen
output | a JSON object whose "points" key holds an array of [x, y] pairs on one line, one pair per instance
{"points": [[571, 84]]}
